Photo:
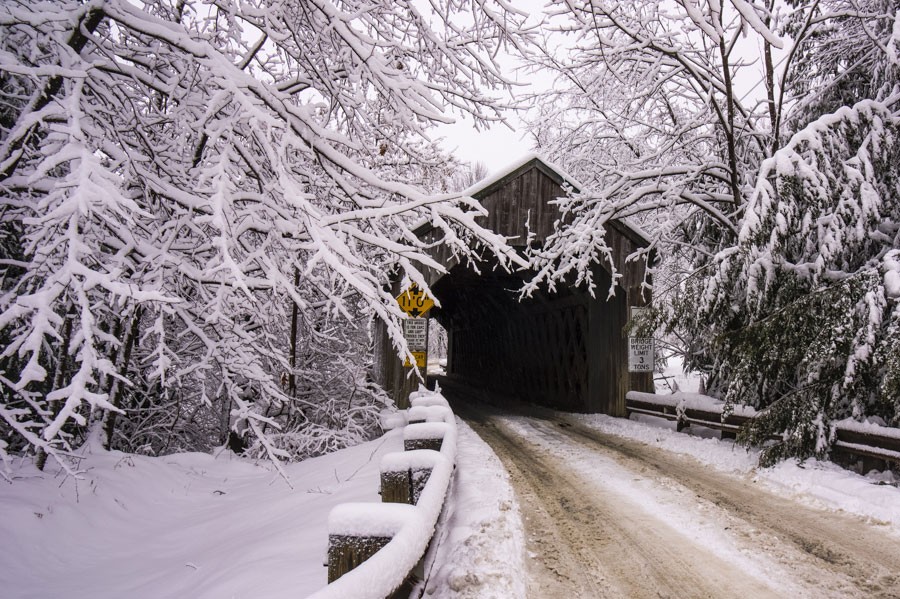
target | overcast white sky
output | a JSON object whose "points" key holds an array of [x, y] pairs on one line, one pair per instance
{"points": [[496, 147]]}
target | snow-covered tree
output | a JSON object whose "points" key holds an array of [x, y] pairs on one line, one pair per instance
{"points": [[648, 112], [800, 316], [780, 258], [178, 178]]}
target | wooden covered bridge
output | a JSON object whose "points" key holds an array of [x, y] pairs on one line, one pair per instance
{"points": [[564, 350]]}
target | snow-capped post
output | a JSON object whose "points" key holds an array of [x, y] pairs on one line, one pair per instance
{"points": [[405, 473], [356, 531], [425, 435], [376, 551], [396, 482]]}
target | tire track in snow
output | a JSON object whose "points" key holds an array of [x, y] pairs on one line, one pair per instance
{"points": [[589, 541], [837, 542]]}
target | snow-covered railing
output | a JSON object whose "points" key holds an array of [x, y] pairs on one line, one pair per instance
{"points": [[868, 440], [688, 408], [852, 438], [375, 550]]}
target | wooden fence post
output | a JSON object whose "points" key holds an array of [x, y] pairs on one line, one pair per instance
{"points": [[346, 552]]}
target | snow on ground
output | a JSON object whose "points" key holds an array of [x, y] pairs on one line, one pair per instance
{"points": [[196, 525], [201, 526], [813, 482], [481, 554], [187, 525]]}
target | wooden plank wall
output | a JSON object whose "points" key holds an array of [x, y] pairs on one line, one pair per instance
{"points": [[524, 198]]}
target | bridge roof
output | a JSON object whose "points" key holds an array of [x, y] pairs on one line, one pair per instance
{"points": [[508, 208]]}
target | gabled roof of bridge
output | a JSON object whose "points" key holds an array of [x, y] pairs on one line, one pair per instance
{"points": [[533, 160], [527, 162]]}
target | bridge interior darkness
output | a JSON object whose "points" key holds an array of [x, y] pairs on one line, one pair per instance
{"points": [[547, 348]]}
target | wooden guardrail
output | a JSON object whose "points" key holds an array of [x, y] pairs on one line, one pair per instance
{"points": [[377, 551], [874, 446]]}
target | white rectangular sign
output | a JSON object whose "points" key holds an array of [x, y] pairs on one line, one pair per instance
{"points": [[638, 312], [415, 331], [640, 354]]}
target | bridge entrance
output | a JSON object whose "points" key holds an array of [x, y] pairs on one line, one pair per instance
{"points": [[562, 349]]}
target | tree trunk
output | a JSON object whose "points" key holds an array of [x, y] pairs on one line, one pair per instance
{"points": [[59, 373], [109, 424]]}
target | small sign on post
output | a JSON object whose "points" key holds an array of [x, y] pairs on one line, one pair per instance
{"points": [[641, 353], [414, 302], [415, 331]]}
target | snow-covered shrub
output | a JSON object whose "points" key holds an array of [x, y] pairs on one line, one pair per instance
{"points": [[801, 318]]}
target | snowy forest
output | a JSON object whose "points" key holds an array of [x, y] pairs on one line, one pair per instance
{"points": [[201, 203]]}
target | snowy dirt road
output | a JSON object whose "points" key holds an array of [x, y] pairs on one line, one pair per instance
{"points": [[611, 517]]}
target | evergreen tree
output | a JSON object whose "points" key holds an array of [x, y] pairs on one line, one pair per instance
{"points": [[801, 318]]}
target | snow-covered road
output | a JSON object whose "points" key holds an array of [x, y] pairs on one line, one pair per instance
{"points": [[607, 516]]}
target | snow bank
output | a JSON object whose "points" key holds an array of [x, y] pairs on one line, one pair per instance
{"points": [[209, 527], [186, 525], [481, 553]]}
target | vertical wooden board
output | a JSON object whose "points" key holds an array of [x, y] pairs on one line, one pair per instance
{"points": [[549, 212], [346, 552], [594, 402], [620, 344], [494, 205], [523, 200], [607, 351], [385, 363], [396, 487]]}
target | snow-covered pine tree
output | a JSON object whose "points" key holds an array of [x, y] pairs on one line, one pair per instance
{"points": [[802, 317]]}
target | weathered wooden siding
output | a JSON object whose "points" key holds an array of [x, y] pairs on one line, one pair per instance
{"points": [[522, 197]]}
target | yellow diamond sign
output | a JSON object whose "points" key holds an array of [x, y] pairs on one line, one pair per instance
{"points": [[414, 302]]}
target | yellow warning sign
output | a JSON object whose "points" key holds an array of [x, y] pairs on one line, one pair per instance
{"points": [[421, 359], [414, 302]]}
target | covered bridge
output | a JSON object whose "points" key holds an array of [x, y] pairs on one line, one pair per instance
{"points": [[564, 350]]}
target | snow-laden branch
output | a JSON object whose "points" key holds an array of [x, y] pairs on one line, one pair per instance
{"points": [[234, 172]]}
